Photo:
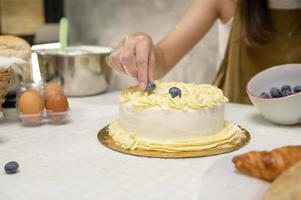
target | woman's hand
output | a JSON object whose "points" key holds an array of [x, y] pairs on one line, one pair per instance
{"points": [[135, 56]]}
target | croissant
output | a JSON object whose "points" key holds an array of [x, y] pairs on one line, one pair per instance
{"points": [[267, 165]]}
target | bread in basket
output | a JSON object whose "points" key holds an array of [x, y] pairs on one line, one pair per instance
{"points": [[13, 51]]}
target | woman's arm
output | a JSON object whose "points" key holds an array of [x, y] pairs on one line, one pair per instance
{"points": [[137, 55], [196, 22]]}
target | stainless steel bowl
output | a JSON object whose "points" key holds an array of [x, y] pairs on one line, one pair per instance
{"points": [[81, 70]]}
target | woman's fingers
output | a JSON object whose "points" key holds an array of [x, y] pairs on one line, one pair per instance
{"points": [[127, 56], [142, 60], [114, 61], [135, 56], [151, 65]]}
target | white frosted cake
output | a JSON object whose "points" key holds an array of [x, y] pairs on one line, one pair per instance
{"points": [[158, 120]]}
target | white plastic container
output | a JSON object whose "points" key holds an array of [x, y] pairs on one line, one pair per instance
{"points": [[46, 116]]}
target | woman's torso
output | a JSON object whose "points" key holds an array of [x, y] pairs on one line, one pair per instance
{"points": [[225, 24], [242, 61]]}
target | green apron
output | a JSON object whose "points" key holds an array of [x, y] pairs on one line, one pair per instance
{"points": [[242, 62]]}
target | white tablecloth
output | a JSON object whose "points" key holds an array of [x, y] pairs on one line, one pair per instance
{"points": [[67, 161]]}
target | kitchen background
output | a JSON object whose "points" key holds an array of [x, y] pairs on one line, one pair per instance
{"points": [[105, 22]]}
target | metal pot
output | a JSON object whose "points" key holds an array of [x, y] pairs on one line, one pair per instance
{"points": [[81, 70]]}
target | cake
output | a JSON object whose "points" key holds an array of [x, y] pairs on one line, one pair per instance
{"points": [[160, 120]]}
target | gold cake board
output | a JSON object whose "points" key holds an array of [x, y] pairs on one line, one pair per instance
{"points": [[238, 142]]}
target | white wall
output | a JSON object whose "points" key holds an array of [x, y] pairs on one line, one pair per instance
{"points": [[105, 22]]}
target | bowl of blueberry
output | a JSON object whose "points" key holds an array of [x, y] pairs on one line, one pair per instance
{"points": [[276, 93]]}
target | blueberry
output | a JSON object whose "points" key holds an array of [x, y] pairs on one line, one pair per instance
{"points": [[297, 89], [286, 87], [174, 92], [11, 167], [150, 86], [286, 93], [265, 95], [275, 92]]}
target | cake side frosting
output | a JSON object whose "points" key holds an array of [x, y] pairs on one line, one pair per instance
{"points": [[194, 96], [164, 125], [131, 140]]}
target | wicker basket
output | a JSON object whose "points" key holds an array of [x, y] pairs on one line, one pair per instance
{"points": [[5, 77]]}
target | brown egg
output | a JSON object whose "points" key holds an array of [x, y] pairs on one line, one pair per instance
{"points": [[30, 102], [52, 89], [56, 102]]}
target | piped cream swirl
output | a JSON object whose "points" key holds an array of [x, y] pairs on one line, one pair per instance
{"points": [[194, 96]]}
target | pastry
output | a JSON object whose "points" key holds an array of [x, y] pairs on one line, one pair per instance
{"points": [[267, 165], [12, 46]]}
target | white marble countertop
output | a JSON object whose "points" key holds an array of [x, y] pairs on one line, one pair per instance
{"points": [[67, 161]]}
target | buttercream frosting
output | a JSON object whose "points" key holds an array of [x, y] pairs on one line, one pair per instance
{"points": [[194, 96], [154, 120], [132, 140]]}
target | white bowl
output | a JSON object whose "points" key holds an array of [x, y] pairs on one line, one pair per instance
{"points": [[283, 110]]}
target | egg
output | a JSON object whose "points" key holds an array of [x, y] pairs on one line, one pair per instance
{"points": [[57, 103], [30, 102], [56, 107], [52, 89]]}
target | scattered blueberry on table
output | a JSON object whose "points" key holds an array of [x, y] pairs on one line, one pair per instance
{"points": [[150, 86], [285, 90], [175, 92], [11, 167]]}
